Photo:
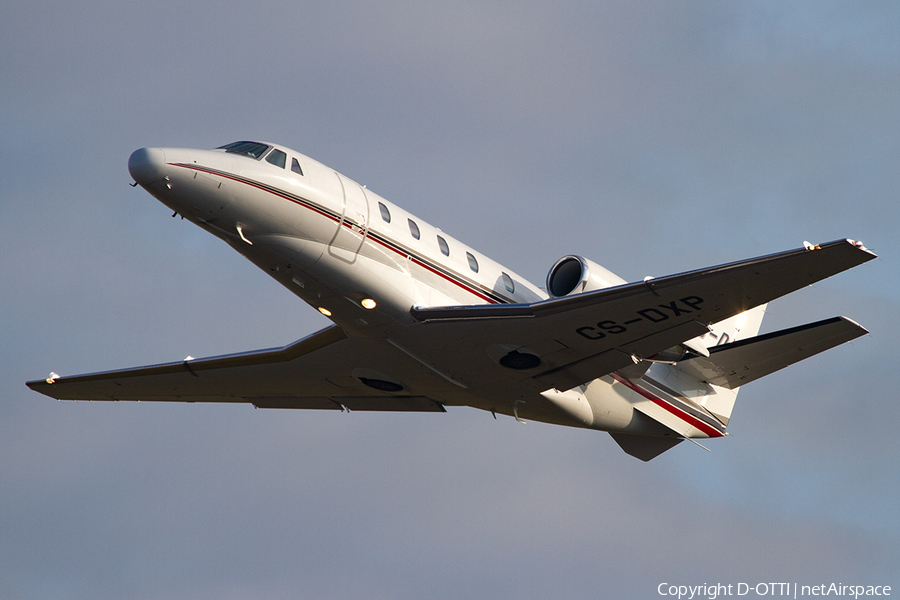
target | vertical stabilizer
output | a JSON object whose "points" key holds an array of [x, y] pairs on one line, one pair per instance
{"points": [[742, 326], [718, 401]]}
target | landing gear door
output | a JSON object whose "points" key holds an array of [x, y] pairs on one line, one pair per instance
{"points": [[354, 222]]}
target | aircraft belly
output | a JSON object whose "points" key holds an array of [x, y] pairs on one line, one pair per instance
{"points": [[294, 252], [437, 290], [392, 290]]}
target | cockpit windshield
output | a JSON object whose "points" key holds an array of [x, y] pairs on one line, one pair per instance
{"points": [[251, 149]]}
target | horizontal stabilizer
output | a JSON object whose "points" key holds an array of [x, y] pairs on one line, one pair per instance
{"points": [[738, 363]]}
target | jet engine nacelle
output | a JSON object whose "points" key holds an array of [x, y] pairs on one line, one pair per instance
{"points": [[576, 274]]}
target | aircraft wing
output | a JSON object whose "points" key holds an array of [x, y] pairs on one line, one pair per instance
{"points": [[584, 336], [321, 371]]}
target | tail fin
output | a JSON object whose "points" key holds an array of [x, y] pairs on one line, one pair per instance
{"points": [[691, 384], [739, 327], [713, 382], [720, 401], [705, 387]]}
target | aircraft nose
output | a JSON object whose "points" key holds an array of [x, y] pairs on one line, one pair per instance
{"points": [[146, 164]]}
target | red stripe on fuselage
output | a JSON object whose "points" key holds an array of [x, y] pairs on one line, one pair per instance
{"points": [[437, 272], [686, 417], [337, 219]]}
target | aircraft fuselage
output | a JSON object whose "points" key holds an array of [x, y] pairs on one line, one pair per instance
{"points": [[329, 240]]}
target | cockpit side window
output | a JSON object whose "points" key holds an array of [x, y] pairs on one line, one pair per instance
{"points": [[277, 158], [251, 149], [295, 166]]}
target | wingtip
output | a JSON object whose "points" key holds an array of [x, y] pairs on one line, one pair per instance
{"points": [[859, 245], [39, 383], [853, 250], [862, 330], [41, 386]]}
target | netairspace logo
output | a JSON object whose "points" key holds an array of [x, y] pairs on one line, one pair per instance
{"points": [[791, 590]]}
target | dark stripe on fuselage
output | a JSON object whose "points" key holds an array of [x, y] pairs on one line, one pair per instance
{"points": [[682, 412], [685, 404], [468, 285], [689, 405]]}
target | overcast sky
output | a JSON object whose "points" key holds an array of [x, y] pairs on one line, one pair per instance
{"points": [[651, 137]]}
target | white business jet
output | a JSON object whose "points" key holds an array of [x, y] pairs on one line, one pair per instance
{"points": [[422, 321]]}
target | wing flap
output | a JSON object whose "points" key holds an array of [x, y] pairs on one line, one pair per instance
{"points": [[574, 374], [353, 403], [586, 369], [738, 363]]}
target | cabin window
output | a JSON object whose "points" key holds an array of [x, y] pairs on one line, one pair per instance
{"points": [[385, 213], [473, 264], [277, 158], [445, 249], [508, 283], [413, 228], [295, 166], [251, 149]]}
